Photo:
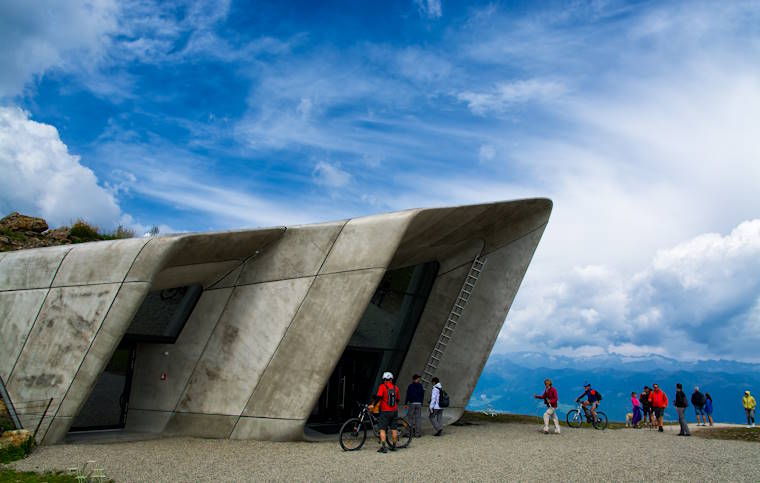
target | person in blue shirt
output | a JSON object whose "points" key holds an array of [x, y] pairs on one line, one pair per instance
{"points": [[415, 394], [592, 401]]}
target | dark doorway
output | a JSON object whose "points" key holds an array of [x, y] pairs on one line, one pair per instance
{"points": [[379, 343], [106, 407], [349, 385]]}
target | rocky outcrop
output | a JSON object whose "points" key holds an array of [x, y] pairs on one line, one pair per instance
{"points": [[18, 232]]}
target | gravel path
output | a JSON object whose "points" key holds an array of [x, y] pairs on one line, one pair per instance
{"points": [[487, 451]]}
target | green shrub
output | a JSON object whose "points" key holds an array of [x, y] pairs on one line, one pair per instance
{"points": [[83, 231]]}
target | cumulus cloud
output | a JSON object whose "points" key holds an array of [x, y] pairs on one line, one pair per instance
{"points": [[37, 36], [506, 94], [41, 177], [696, 300]]}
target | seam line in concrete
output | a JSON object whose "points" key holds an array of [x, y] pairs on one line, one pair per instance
{"points": [[301, 276], [213, 414], [216, 324], [290, 324], [95, 337], [36, 317]]}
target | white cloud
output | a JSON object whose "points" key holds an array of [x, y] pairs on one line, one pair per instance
{"points": [[330, 176], [38, 36], [429, 8], [696, 300], [40, 176], [507, 94]]}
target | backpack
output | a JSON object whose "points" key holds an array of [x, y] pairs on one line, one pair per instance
{"points": [[391, 395], [598, 395], [443, 399]]}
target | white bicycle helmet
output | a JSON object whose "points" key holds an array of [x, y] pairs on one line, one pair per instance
{"points": [[387, 375]]}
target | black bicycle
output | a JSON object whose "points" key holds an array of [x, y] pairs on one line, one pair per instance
{"points": [[575, 417], [353, 433]]}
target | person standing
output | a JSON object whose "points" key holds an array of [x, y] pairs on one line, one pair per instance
{"points": [[387, 395], [709, 407], [636, 411], [436, 412], [681, 405], [550, 399], [646, 406], [698, 401], [415, 394], [659, 401], [749, 408]]}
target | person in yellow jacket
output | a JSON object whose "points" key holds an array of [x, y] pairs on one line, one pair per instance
{"points": [[749, 408]]}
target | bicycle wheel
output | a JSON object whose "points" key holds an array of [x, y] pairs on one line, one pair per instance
{"points": [[574, 418], [353, 434], [601, 420], [404, 432]]}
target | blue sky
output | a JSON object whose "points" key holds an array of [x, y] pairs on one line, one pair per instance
{"points": [[639, 119]]}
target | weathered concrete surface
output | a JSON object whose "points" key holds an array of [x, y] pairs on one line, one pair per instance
{"points": [[18, 310], [142, 421], [300, 252], [201, 425], [241, 346], [367, 242], [58, 342], [269, 429], [312, 345], [98, 262], [103, 346], [27, 269], [176, 360]]}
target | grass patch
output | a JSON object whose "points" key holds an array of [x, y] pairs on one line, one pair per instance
{"points": [[82, 232], [13, 235], [733, 434], [8, 474]]}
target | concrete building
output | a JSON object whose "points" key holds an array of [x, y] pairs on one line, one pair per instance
{"points": [[259, 334]]}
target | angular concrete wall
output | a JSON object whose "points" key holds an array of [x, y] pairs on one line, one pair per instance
{"points": [[277, 309]]}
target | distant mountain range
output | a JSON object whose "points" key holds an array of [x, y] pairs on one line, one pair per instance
{"points": [[509, 381]]}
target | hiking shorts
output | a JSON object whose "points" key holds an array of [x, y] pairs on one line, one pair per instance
{"points": [[386, 420], [699, 410], [658, 412]]}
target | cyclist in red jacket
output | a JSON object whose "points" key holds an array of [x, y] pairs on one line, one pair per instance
{"points": [[387, 395]]}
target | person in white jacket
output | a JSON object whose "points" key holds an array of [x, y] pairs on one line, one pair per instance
{"points": [[436, 413]]}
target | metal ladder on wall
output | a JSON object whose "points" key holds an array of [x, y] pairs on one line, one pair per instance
{"points": [[454, 316]]}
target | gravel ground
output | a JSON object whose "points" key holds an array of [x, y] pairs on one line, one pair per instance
{"points": [[488, 451]]}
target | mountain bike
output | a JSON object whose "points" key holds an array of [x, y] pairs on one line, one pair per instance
{"points": [[353, 433], [575, 417]]}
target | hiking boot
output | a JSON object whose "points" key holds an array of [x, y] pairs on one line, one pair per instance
{"points": [[382, 450], [660, 429], [546, 431], [438, 433]]}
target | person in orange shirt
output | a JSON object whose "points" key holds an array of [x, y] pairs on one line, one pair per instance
{"points": [[659, 401]]}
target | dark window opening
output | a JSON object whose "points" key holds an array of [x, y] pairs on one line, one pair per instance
{"points": [[379, 344], [163, 314]]}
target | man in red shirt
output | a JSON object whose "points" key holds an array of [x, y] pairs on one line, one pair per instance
{"points": [[387, 396], [659, 402], [550, 399]]}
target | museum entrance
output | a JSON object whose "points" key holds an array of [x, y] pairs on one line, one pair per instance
{"points": [[159, 320], [379, 343], [106, 408]]}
